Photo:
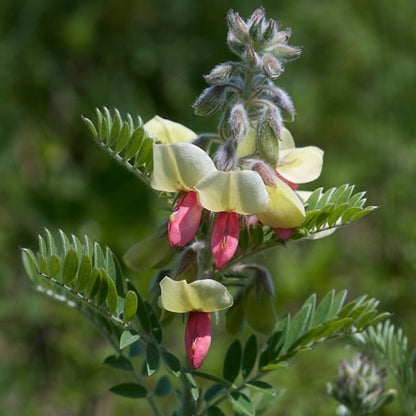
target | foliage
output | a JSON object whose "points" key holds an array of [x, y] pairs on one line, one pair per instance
{"points": [[55, 68]]}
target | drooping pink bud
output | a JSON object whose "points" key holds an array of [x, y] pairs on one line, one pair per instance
{"points": [[224, 239], [198, 337], [184, 220], [284, 233]]}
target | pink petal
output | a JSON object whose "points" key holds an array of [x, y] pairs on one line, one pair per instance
{"points": [[224, 239], [284, 233], [198, 337], [184, 220]]}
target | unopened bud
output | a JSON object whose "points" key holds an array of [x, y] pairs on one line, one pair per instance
{"points": [[286, 53], [272, 66], [204, 140], [235, 45], [256, 25], [239, 122], [270, 31], [252, 57], [210, 101], [225, 157], [268, 134], [220, 73], [186, 267], [259, 309], [237, 26], [266, 173]]}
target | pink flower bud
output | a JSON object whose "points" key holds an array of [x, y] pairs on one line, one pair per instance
{"points": [[224, 239], [198, 337], [184, 221], [284, 233]]}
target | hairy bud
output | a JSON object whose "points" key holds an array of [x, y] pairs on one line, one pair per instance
{"points": [[237, 26], [225, 157], [280, 98], [220, 73], [256, 25], [239, 122], [271, 66], [252, 57], [210, 101], [266, 173], [268, 134]]}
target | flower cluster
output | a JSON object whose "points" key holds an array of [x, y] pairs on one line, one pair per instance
{"points": [[246, 173]]}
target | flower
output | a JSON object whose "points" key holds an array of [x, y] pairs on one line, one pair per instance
{"points": [[295, 166], [230, 193], [199, 298], [178, 167]]}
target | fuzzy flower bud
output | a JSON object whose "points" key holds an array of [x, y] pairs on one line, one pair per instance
{"points": [[239, 122], [221, 73], [359, 386]]}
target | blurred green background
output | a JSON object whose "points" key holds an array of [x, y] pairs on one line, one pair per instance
{"points": [[354, 89]]}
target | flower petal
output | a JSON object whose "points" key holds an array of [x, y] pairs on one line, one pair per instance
{"points": [[224, 239], [300, 165], [168, 131], [240, 191], [198, 337], [286, 139], [179, 166], [285, 209], [184, 220], [205, 295]]}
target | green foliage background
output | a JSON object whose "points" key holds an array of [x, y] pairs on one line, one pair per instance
{"points": [[354, 91]]}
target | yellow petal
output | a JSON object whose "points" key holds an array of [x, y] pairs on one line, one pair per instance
{"points": [[247, 146], [285, 209], [240, 191], [205, 295], [179, 166], [286, 139], [300, 165], [168, 131]]}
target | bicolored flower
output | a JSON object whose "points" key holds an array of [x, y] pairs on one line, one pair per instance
{"points": [[198, 298], [167, 131], [296, 166], [230, 193], [178, 167]]}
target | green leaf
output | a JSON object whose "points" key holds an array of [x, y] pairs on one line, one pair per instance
{"points": [[130, 306], [215, 411], [127, 338], [94, 283], [322, 311], [212, 391], [172, 363], [298, 326], [103, 289], [119, 361], [337, 303], [163, 386], [155, 327], [30, 263], [241, 403], [263, 387], [99, 261], [70, 266], [134, 143], [232, 361], [54, 265], [141, 312], [193, 385], [115, 128], [130, 390], [249, 356], [90, 126], [124, 137], [111, 292], [84, 273], [152, 359]]}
